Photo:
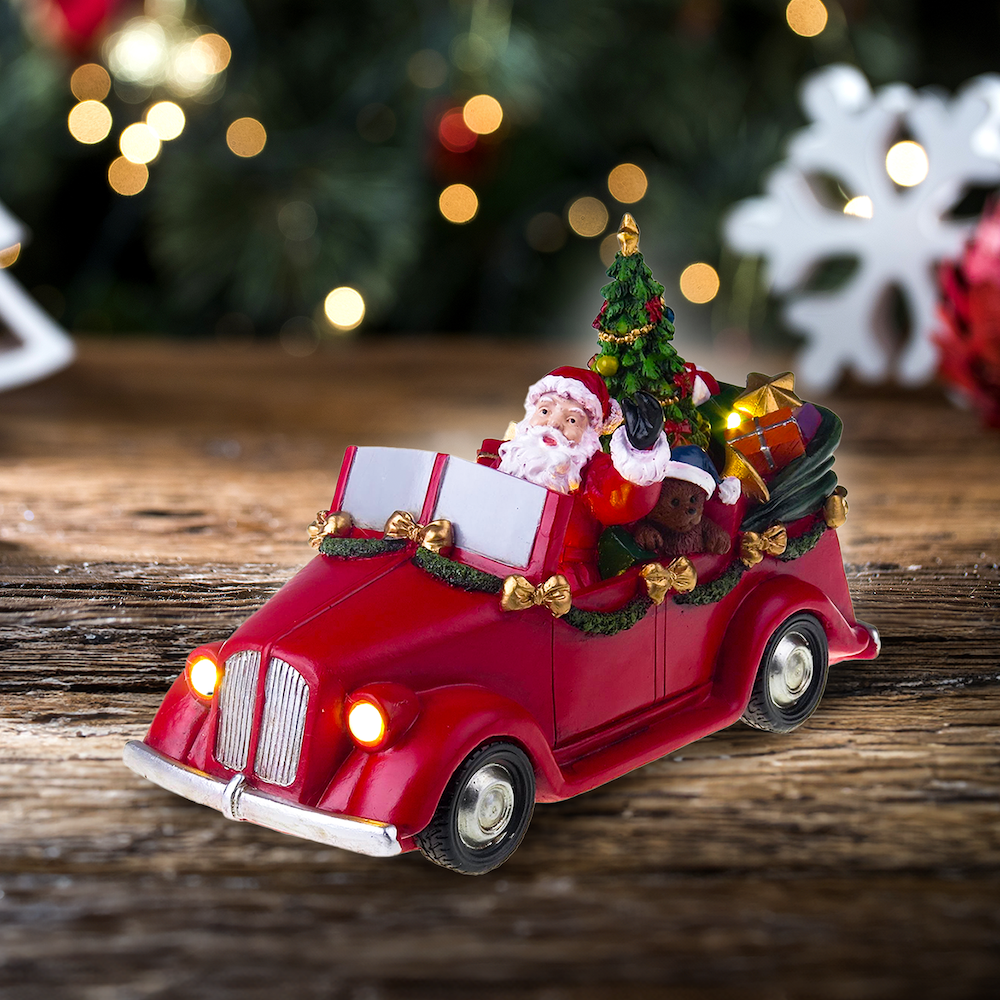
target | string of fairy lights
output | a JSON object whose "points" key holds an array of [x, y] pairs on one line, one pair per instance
{"points": [[162, 50]]}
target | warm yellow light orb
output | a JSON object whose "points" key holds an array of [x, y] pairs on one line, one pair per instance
{"points": [[861, 207], [366, 722], [204, 675], [587, 216], [608, 249], [458, 203], [344, 307], [907, 163], [139, 143], [699, 283], [627, 183], [127, 178], [482, 114], [216, 52], [9, 255], [89, 122], [733, 420], [90, 82], [166, 119], [806, 17], [246, 137]]}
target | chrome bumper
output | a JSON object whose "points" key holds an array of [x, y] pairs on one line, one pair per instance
{"points": [[240, 802]]}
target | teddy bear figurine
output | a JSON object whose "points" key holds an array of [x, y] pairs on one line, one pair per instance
{"points": [[677, 524]]}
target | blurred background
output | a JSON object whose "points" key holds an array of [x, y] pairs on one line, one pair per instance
{"points": [[216, 169]]}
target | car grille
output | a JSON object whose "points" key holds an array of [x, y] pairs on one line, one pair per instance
{"points": [[286, 700]]}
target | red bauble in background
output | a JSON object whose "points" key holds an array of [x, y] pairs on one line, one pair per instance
{"points": [[969, 338]]}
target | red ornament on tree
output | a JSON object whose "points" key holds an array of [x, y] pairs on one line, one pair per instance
{"points": [[970, 312]]}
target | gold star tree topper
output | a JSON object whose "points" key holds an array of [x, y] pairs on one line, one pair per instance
{"points": [[767, 393]]}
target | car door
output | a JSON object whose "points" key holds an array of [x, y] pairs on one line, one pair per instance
{"points": [[600, 678]]}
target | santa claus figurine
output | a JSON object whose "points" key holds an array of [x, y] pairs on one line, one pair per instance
{"points": [[557, 445]]}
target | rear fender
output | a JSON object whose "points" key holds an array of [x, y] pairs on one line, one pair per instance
{"points": [[759, 615], [404, 784]]}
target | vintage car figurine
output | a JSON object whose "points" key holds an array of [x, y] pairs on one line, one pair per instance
{"points": [[474, 638]]}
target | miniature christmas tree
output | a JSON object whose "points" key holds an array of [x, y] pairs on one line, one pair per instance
{"points": [[635, 329]]}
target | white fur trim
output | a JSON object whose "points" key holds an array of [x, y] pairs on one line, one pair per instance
{"points": [[642, 468], [700, 393], [729, 490], [559, 385], [616, 419]]}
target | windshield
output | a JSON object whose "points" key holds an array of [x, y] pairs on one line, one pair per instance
{"points": [[384, 480], [493, 514]]}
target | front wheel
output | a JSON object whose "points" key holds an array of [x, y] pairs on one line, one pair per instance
{"points": [[484, 812], [791, 678]]}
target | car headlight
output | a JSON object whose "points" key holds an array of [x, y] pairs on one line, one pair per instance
{"points": [[203, 676], [378, 714]]}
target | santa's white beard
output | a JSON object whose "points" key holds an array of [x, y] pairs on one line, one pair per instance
{"points": [[556, 467]]}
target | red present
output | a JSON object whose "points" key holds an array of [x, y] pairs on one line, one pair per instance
{"points": [[769, 442]]}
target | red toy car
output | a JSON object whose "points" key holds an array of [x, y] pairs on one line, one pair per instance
{"points": [[392, 697]]}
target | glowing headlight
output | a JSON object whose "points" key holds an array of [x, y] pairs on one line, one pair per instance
{"points": [[203, 675], [366, 723]]}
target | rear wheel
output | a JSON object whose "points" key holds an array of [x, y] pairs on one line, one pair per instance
{"points": [[791, 678], [484, 812]]}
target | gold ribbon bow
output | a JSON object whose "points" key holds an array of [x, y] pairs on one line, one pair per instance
{"points": [[329, 522], [554, 594], [435, 536], [754, 547], [835, 508], [680, 575]]}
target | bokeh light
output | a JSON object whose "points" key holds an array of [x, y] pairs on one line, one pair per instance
{"points": [[608, 249], [861, 207], [139, 143], [215, 50], [587, 216], [138, 53], [545, 232], [627, 183], [482, 114], [246, 137], [9, 255], [454, 133], [699, 283], [89, 122], [458, 203], [344, 308], [907, 163], [126, 177], [166, 119], [90, 82], [196, 62], [427, 69], [806, 17], [297, 220]]}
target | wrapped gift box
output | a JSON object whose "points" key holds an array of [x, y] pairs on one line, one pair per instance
{"points": [[769, 442]]}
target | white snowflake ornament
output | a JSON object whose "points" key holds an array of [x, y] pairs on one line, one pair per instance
{"points": [[43, 347], [896, 234]]}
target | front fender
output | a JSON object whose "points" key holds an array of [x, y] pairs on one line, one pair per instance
{"points": [[403, 785], [757, 618]]}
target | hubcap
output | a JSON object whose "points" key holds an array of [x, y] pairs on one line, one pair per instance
{"points": [[790, 671], [486, 806]]}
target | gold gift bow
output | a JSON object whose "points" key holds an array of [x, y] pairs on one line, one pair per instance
{"points": [[435, 536], [754, 547], [680, 575], [329, 522], [554, 594]]}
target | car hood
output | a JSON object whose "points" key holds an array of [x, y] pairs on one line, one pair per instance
{"points": [[364, 619]]}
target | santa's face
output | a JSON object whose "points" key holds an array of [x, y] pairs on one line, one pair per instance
{"points": [[565, 415], [542, 452]]}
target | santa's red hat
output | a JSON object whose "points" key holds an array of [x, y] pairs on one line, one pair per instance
{"points": [[583, 386]]}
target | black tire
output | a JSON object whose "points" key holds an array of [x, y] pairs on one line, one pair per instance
{"points": [[791, 678], [484, 812]]}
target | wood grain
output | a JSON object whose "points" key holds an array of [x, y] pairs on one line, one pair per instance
{"points": [[169, 487]]}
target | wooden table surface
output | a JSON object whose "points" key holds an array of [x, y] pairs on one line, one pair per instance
{"points": [[154, 494]]}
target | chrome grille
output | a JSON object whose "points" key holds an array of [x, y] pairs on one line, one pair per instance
{"points": [[237, 696], [286, 698]]}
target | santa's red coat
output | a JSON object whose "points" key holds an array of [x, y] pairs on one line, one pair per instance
{"points": [[605, 497]]}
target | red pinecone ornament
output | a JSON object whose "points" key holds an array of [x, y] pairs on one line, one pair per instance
{"points": [[970, 311]]}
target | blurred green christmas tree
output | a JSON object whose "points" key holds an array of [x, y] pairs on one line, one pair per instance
{"points": [[361, 105]]}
